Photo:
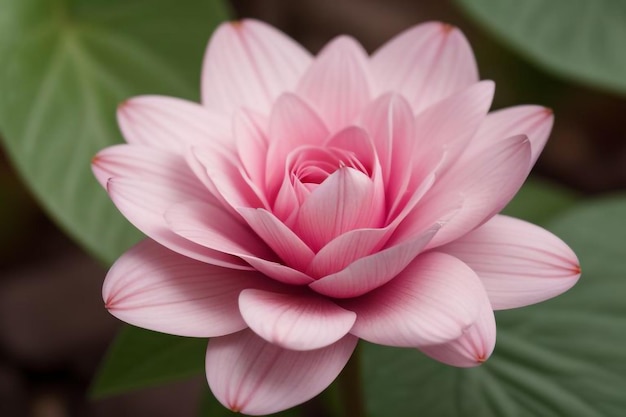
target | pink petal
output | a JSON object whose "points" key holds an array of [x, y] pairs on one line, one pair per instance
{"points": [[278, 271], [212, 227], [533, 121], [432, 301], [157, 289], [337, 84], [448, 126], [345, 249], [251, 376], [285, 243], [225, 177], [296, 322], [426, 63], [370, 272], [171, 124], [473, 347], [343, 202], [144, 202], [518, 262], [248, 64], [292, 124], [481, 186], [252, 144], [390, 123]]}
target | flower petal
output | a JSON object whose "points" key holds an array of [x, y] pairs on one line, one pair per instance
{"points": [[432, 301], [295, 321], [473, 347], [157, 289], [292, 124], [249, 375], [533, 121], [285, 243], [337, 84], [426, 63], [144, 202], [343, 202], [370, 272], [481, 187], [212, 227], [278, 271], [248, 64], [252, 144], [519, 263], [171, 124]]}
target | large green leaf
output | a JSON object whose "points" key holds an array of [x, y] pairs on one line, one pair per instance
{"points": [[563, 357], [140, 358], [65, 65], [582, 40]]}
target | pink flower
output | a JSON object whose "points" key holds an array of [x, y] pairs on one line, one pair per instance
{"points": [[311, 201]]}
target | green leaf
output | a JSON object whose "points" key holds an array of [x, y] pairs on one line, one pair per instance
{"points": [[563, 357], [66, 64], [581, 40], [141, 358], [538, 201]]}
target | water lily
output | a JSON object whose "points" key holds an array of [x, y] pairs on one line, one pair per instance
{"points": [[308, 202]]}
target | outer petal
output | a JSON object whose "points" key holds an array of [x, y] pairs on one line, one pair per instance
{"points": [[295, 321], [248, 64], [251, 376], [212, 227], [337, 84], [144, 201], [473, 347], [483, 186], [171, 124], [518, 262], [533, 121], [345, 201], [432, 301], [425, 63], [370, 272], [155, 288]]}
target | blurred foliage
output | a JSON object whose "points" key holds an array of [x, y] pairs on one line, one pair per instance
{"points": [[581, 40], [66, 66]]}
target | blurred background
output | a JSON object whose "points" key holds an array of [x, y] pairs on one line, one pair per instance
{"points": [[53, 327]]}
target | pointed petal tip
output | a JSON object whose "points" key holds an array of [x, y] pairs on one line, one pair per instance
{"points": [[447, 28]]}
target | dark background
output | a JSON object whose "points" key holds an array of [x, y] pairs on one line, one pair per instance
{"points": [[53, 327]]}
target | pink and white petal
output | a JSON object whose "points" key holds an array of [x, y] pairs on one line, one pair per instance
{"points": [[248, 64], [337, 84], [390, 123], [150, 164], [214, 228], [293, 123], [487, 182], [478, 188], [449, 126], [373, 271], [172, 124], [249, 375], [249, 129], [426, 63], [434, 300], [473, 347], [295, 321], [519, 263], [345, 249], [533, 121], [345, 201], [277, 271], [284, 242], [144, 204], [226, 178], [157, 289]]}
